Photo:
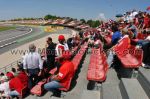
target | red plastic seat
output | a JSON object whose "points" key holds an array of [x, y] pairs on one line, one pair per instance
{"points": [[98, 67], [76, 61], [132, 60], [129, 56], [53, 71]]}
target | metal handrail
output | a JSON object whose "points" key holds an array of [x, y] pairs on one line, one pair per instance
{"points": [[7, 68]]}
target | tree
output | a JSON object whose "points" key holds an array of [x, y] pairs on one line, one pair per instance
{"points": [[48, 17], [89, 22], [83, 20], [96, 23]]}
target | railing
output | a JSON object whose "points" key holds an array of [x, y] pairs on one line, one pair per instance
{"points": [[10, 66]]}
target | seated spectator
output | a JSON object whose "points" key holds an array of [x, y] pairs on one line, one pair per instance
{"points": [[145, 45], [4, 87], [1, 75], [10, 75], [15, 86], [61, 80], [111, 54], [97, 43], [14, 71], [116, 35], [22, 75]]}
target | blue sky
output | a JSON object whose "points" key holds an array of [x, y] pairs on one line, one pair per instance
{"points": [[88, 9]]}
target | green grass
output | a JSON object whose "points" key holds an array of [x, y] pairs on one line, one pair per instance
{"points": [[4, 28]]}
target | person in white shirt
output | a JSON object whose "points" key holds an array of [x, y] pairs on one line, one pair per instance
{"points": [[4, 87], [33, 65], [61, 46]]}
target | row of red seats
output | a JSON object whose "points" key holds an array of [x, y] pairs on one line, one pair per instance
{"points": [[98, 66], [129, 56], [76, 61], [38, 89]]}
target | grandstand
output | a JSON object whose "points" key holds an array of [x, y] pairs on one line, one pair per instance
{"points": [[124, 78]]}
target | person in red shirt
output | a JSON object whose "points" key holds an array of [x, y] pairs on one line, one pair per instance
{"points": [[60, 48], [22, 75], [65, 74], [15, 86]]}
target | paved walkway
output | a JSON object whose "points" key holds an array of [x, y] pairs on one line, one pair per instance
{"points": [[15, 54]]}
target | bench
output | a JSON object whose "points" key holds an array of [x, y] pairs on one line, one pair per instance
{"points": [[129, 56], [76, 61], [98, 67]]}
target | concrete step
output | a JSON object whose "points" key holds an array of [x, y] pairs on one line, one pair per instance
{"points": [[110, 88], [131, 89], [87, 94], [144, 79]]}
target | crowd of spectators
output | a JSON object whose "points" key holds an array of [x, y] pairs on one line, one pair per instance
{"points": [[133, 25]]}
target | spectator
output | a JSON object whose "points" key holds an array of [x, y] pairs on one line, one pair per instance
{"points": [[4, 87], [116, 35], [22, 75], [33, 65], [62, 79], [14, 71], [145, 45], [133, 28], [9, 75], [50, 53], [15, 86], [61, 46]]}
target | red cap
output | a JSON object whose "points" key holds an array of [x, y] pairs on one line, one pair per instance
{"points": [[66, 55], [61, 38], [10, 75]]}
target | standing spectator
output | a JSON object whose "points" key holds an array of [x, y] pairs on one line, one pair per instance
{"points": [[61, 46], [50, 53], [33, 65]]}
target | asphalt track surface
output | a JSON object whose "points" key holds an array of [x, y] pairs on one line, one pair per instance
{"points": [[8, 39], [13, 38]]}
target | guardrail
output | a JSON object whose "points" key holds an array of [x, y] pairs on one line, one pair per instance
{"points": [[8, 67]]}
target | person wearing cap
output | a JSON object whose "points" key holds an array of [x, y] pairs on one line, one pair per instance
{"points": [[4, 87], [33, 65], [10, 75], [61, 46], [66, 72]]}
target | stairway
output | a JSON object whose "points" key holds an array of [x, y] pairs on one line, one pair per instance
{"points": [[126, 88]]}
